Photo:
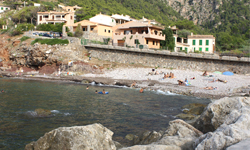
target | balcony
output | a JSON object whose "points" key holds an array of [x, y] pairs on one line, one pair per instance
{"points": [[152, 35]]}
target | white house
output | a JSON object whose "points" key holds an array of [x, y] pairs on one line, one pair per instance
{"points": [[37, 4], [103, 19], [202, 43], [4, 8]]}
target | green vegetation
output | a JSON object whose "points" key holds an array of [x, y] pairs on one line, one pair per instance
{"points": [[24, 38], [169, 39], [78, 32], [151, 9], [50, 41], [70, 34], [50, 27]]}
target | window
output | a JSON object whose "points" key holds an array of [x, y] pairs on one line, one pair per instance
{"points": [[109, 31], [146, 41], [68, 9], [83, 29], [153, 42], [116, 21], [186, 48], [193, 42], [6, 8], [137, 41], [156, 43], [46, 16], [200, 49], [181, 48], [207, 42], [105, 30], [1, 8], [194, 48], [131, 31], [207, 49], [92, 29], [71, 17], [112, 20], [200, 42]]}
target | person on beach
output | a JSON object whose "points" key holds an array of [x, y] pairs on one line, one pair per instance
{"points": [[180, 82], [166, 75], [103, 91], [171, 76], [87, 87], [210, 88], [2, 91], [205, 73], [141, 90], [156, 73], [133, 84], [224, 81]]}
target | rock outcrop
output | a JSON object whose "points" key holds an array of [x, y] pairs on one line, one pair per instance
{"points": [[179, 135], [198, 11], [231, 119], [95, 137]]}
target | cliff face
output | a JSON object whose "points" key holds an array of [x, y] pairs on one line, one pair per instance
{"points": [[198, 11]]}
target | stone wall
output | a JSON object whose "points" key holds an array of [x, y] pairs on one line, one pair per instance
{"points": [[167, 59]]}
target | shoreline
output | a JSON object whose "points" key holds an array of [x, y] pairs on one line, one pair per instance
{"points": [[152, 84]]}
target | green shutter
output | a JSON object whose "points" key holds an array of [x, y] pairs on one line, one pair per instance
{"points": [[186, 49], [1, 8], [193, 42], [206, 49], [194, 48], [200, 42], [207, 42], [6, 8], [200, 49], [181, 48]]}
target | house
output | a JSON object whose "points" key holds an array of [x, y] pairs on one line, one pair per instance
{"points": [[120, 19], [54, 17], [70, 8], [103, 19], [145, 20], [193, 43], [91, 30], [202, 43], [135, 33], [4, 8], [37, 4]]}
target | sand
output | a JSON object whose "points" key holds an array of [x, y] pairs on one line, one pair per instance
{"points": [[235, 84]]}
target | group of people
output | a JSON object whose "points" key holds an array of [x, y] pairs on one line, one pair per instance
{"points": [[168, 75]]}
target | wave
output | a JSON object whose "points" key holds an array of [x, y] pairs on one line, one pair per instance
{"points": [[165, 93]]}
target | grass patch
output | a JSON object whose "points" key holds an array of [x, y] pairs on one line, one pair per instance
{"points": [[50, 41], [24, 38]]}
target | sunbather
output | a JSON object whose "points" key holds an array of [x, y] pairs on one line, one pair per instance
{"points": [[171, 75], [210, 88], [180, 82], [205, 73], [133, 84], [225, 81]]}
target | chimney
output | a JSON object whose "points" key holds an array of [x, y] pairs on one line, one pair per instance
{"points": [[191, 33]]}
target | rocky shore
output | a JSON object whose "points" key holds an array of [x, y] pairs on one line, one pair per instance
{"points": [[224, 122]]}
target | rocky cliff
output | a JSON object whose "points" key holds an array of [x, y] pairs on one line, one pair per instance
{"points": [[198, 11]]}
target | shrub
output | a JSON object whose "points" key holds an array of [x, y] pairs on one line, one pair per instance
{"points": [[24, 38], [70, 34], [50, 41], [78, 32]]}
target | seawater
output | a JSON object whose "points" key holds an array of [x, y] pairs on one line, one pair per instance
{"points": [[123, 110]]}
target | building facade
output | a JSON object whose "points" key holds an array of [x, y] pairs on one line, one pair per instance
{"points": [[201, 43], [103, 19], [54, 17], [4, 8], [136, 33]]}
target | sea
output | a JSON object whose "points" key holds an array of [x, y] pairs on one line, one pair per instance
{"points": [[124, 110]]}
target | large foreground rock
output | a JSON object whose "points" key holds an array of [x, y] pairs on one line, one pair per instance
{"points": [[231, 119], [242, 145], [90, 137], [179, 135]]}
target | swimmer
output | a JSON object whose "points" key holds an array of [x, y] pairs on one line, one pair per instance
{"points": [[103, 91], [2, 91], [96, 91], [141, 90], [87, 87]]}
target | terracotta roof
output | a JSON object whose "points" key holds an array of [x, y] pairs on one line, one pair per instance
{"points": [[84, 22], [200, 36], [54, 12]]}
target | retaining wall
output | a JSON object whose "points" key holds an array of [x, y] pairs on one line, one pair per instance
{"points": [[167, 59]]}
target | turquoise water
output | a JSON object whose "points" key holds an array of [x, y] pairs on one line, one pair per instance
{"points": [[123, 110]]}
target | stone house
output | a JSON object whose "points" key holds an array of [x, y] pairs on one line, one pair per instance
{"points": [[136, 33], [70, 8], [54, 17]]}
